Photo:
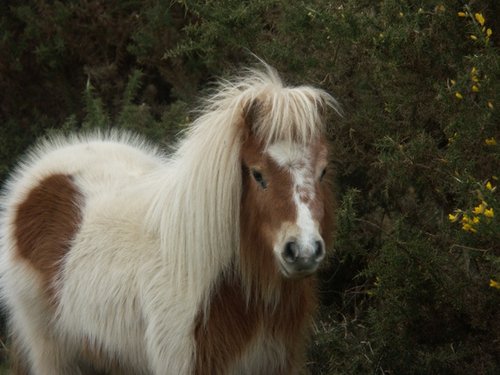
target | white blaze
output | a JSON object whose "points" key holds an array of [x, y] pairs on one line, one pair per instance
{"points": [[297, 160]]}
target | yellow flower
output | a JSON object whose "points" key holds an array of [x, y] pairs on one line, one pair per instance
{"points": [[475, 88], [452, 217], [469, 228], [479, 209], [461, 14], [474, 79], [490, 141], [452, 81], [489, 212], [458, 95], [479, 18], [488, 32], [473, 71], [489, 186], [465, 220], [473, 37], [494, 284], [476, 220]]}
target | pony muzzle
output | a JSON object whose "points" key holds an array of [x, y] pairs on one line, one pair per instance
{"points": [[298, 259]]}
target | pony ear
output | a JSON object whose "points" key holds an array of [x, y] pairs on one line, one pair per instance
{"points": [[251, 114]]}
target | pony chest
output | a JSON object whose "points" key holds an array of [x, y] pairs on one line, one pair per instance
{"points": [[237, 337], [265, 354]]}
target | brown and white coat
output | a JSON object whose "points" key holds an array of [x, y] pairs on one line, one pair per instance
{"points": [[116, 258]]}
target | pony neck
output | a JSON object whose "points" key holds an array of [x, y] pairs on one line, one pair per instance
{"points": [[195, 204]]}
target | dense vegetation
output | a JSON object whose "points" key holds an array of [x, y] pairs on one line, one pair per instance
{"points": [[414, 285]]}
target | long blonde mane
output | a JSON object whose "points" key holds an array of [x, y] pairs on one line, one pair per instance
{"points": [[196, 212]]}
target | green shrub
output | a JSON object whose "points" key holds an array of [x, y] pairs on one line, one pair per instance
{"points": [[413, 287]]}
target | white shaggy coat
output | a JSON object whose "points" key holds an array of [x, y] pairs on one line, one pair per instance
{"points": [[156, 234]]}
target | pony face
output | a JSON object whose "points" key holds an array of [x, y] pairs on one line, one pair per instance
{"points": [[285, 190]]}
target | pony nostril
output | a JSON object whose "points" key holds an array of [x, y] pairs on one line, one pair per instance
{"points": [[318, 249], [291, 252]]}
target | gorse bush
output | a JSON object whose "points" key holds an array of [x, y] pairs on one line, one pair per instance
{"points": [[414, 285]]}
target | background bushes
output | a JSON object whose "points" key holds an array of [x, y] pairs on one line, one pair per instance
{"points": [[413, 287]]}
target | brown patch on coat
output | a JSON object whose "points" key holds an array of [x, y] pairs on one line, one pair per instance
{"points": [[45, 224], [231, 324], [228, 329], [292, 319]]}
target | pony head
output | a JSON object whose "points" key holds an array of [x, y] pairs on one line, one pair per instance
{"points": [[286, 197]]}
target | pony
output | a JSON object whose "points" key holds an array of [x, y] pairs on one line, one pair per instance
{"points": [[119, 258]]}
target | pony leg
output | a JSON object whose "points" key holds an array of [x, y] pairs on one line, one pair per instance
{"points": [[38, 352], [17, 359], [169, 350], [38, 349]]}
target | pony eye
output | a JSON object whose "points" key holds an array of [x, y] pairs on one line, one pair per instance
{"points": [[258, 177], [323, 172]]}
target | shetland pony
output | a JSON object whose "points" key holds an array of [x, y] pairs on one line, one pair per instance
{"points": [[116, 258]]}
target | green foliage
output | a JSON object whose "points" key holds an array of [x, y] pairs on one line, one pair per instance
{"points": [[413, 287]]}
